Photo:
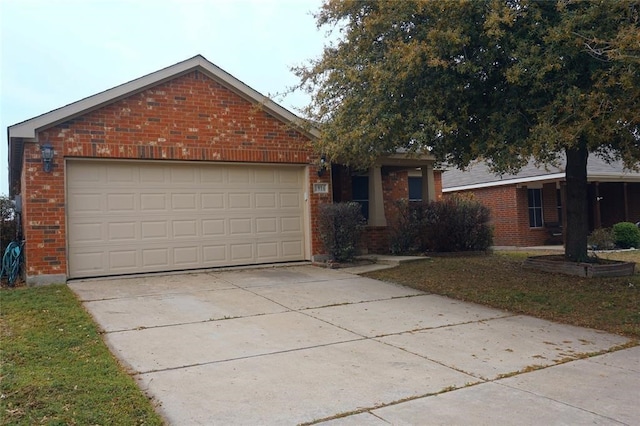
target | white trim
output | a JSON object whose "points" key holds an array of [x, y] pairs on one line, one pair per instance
{"points": [[505, 182], [623, 177], [28, 129]]}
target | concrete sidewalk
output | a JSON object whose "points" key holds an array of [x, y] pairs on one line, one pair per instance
{"points": [[310, 345]]}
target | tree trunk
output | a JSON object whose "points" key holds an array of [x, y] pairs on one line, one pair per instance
{"points": [[577, 204]]}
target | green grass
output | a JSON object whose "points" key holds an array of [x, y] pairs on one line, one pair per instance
{"points": [[500, 281], [55, 369]]}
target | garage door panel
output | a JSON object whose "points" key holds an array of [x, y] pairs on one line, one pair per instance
{"points": [[183, 201], [213, 201], [213, 227], [292, 249], [290, 200], [121, 203], [123, 259], [186, 256], [143, 217], [239, 200], [155, 257], [291, 224], [290, 177], [212, 175], [150, 175], [265, 177], [185, 228], [122, 231], [215, 255], [119, 174], [267, 251], [241, 252], [240, 175], [265, 225], [267, 200], [85, 203], [153, 202], [183, 175], [239, 227], [89, 262], [88, 232]]}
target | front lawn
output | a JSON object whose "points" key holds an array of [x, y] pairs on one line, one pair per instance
{"points": [[55, 368], [500, 281]]}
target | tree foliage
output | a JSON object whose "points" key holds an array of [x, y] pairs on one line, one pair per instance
{"points": [[502, 81]]}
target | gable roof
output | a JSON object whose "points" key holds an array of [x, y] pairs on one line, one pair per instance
{"points": [[478, 175], [28, 129]]}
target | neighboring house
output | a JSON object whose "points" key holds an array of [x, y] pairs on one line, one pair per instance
{"points": [[184, 168], [527, 208]]}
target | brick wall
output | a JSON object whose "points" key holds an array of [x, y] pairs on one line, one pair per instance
{"points": [[549, 203], [189, 118], [375, 239], [509, 216], [395, 186], [437, 180]]}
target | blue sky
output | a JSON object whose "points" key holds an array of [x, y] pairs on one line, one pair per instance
{"points": [[54, 52]]}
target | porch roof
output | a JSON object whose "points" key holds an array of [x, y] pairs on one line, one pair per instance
{"points": [[478, 175]]}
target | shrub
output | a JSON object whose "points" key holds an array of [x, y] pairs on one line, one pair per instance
{"points": [[453, 224], [8, 223], [457, 224], [602, 239], [340, 227], [406, 226], [626, 235]]}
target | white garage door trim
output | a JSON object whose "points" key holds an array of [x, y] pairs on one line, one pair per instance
{"points": [[127, 217]]}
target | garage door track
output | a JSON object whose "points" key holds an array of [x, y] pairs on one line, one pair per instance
{"points": [[295, 345]]}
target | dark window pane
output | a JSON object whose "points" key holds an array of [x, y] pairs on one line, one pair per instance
{"points": [[538, 222], [535, 207], [360, 188], [415, 188]]}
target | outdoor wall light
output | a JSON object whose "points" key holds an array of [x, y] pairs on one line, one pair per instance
{"points": [[323, 165], [47, 156]]}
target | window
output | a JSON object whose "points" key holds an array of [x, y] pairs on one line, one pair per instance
{"points": [[415, 189], [535, 208], [360, 193]]}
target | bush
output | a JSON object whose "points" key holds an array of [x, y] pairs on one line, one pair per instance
{"points": [[8, 224], [601, 239], [340, 227], [453, 224], [626, 235], [457, 224], [406, 226]]}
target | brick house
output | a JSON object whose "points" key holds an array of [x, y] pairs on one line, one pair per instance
{"points": [[527, 208], [184, 168]]}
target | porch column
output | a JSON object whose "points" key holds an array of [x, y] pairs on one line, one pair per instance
{"points": [[428, 183], [596, 207], [376, 201]]}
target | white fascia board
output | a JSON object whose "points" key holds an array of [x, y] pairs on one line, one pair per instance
{"points": [[29, 128], [615, 178], [515, 181]]}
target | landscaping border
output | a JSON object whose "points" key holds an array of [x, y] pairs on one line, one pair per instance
{"points": [[605, 268]]}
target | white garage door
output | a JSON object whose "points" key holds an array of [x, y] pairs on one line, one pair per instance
{"points": [[130, 217]]}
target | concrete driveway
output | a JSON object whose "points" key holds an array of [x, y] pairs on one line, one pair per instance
{"points": [[301, 344]]}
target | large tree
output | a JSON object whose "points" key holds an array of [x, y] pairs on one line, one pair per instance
{"points": [[498, 80]]}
